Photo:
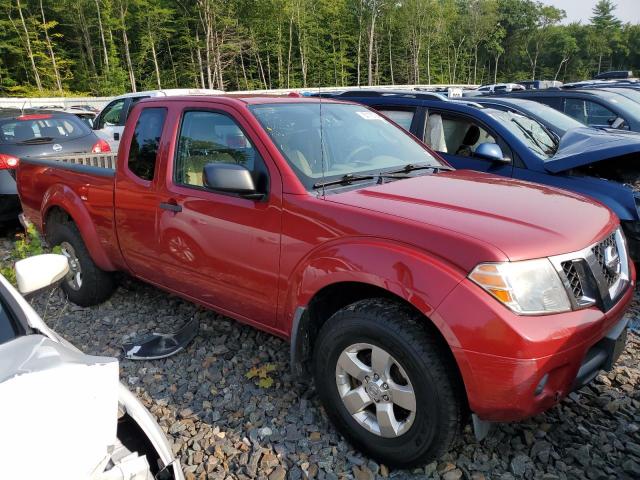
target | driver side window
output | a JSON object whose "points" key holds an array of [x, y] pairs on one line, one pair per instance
{"points": [[112, 113], [209, 137], [588, 112], [455, 135]]}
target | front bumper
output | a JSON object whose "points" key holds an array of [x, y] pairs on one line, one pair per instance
{"points": [[515, 367]]}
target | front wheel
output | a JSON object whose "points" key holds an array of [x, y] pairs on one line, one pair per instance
{"points": [[387, 384]]}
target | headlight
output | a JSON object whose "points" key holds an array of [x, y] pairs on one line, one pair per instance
{"points": [[530, 287]]}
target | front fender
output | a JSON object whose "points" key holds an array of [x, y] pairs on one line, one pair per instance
{"points": [[617, 196], [415, 276], [63, 197]]}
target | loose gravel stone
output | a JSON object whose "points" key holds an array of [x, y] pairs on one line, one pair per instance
{"points": [[222, 425]]}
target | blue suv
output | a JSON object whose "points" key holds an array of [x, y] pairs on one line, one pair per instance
{"points": [[471, 136]]}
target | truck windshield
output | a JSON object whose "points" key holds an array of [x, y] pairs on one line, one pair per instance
{"points": [[353, 140], [528, 131]]}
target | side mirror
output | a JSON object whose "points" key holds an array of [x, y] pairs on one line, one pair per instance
{"points": [[616, 122], [40, 272], [230, 178], [490, 151]]}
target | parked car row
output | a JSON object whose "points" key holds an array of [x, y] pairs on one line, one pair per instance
{"points": [[417, 296], [518, 138]]}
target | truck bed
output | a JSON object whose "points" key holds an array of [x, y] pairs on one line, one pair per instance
{"points": [[85, 178]]}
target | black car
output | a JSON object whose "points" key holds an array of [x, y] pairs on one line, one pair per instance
{"points": [[38, 135], [594, 107]]}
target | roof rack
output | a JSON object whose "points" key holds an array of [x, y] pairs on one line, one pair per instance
{"points": [[385, 93], [468, 103]]}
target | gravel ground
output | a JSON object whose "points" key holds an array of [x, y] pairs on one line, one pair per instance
{"points": [[223, 425]]}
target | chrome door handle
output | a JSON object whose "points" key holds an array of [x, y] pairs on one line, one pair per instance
{"points": [[172, 207]]}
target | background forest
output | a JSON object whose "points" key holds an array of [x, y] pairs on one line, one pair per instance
{"points": [[107, 47]]}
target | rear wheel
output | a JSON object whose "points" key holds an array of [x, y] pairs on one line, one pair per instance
{"points": [[387, 384], [86, 284]]}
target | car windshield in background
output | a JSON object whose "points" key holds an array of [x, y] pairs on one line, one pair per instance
{"points": [[354, 139], [530, 132], [554, 117], [42, 128], [630, 93], [627, 105]]}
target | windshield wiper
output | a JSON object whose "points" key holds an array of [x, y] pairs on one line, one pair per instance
{"points": [[546, 149], [347, 179], [36, 140], [410, 167], [553, 135], [399, 174]]}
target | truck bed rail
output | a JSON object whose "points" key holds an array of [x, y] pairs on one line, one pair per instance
{"points": [[101, 160], [101, 164]]}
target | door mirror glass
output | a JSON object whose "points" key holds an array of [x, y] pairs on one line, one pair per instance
{"points": [[490, 151], [230, 178], [40, 272]]}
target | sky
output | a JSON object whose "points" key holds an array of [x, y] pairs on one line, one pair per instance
{"points": [[581, 10]]}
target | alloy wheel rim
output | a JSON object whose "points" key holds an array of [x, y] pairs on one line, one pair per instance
{"points": [[376, 390], [74, 277]]}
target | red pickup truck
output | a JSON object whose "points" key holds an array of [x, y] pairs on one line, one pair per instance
{"points": [[414, 294]]}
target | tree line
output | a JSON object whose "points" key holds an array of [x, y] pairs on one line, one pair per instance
{"points": [[107, 47]]}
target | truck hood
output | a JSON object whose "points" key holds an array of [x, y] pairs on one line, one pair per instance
{"points": [[522, 220], [583, 146]]}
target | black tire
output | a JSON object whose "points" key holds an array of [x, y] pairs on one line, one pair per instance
{"points": [[97, 285], [428, 364]]}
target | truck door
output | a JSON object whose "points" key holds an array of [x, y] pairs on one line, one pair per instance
{"points": [[136, 203], [219, 248]]}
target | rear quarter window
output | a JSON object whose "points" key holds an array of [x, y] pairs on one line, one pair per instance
{"points": [[402, 116], [144, 144]]}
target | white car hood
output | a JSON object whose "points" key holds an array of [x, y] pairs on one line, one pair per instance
{"points": [[69, 399], [59, 411]]}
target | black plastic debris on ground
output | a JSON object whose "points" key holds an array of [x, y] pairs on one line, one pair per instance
{"points": [[152, 346]]}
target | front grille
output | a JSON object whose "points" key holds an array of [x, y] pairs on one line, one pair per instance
{"points": [[597, 275], [599, 252], [573, 278]]}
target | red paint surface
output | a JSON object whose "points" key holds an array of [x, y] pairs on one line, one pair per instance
{"points": [[417, 238]]}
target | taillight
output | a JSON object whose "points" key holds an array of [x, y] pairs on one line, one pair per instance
{"points": [[101, 146], [8, 162], [34, 116]]}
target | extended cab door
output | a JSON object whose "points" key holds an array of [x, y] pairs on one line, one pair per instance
{"points": [[136, 197], [219, 248]]}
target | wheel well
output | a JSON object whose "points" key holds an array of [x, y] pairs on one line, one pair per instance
{"points": [[56, 215], [334, 297]]}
